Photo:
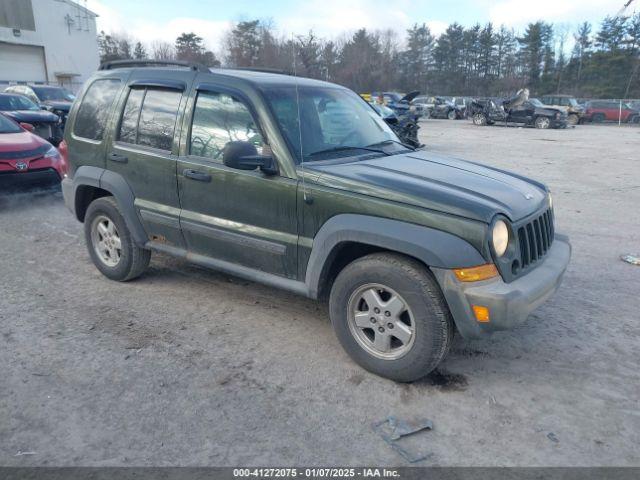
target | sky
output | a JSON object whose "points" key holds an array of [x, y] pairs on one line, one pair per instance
{"points": [[151, 20]]}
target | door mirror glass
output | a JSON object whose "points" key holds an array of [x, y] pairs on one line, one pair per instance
{"points": [[244, 156]]}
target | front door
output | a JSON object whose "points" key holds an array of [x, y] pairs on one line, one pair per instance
{"points": [[144, 152], [239, 216]]}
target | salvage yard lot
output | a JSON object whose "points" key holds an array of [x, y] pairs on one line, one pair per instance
{"points": [[185, 366]]}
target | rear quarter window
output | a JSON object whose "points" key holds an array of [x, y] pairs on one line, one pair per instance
{"points": [[91, 120], [149, 118]]}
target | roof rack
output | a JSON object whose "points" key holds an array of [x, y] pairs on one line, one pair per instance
{"points": [[113, 64], [262, 69]]}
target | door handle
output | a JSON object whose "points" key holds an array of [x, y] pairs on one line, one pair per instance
{"points": [[116, 157], [195, 175]]}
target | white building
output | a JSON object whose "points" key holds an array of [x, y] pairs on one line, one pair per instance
{"points": [[47, 41]]}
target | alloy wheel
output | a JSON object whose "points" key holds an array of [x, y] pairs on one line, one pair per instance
{"points": [[381, 322], [106, 241]]}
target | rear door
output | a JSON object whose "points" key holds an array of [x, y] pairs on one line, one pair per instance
{"points": [[244, 217], [144, 149]]}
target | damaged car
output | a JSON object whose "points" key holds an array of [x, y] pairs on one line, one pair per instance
{"points": [[403, 126], [517, 110], [55, 99], [445, 108], [43, 123]]}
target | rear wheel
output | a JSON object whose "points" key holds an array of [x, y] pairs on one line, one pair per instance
{"points": [[542, 122], [110, 244], [390, 316], [573, 119], [479, 119]]}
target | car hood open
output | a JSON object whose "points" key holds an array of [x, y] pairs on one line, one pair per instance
{"points": [[436, 182]]}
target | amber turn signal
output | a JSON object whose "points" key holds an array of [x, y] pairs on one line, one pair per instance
{"points": [[475, 274], [481, 313]]}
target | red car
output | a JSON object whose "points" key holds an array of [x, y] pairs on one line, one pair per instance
{"points": [[26, 159], [609, 110]]}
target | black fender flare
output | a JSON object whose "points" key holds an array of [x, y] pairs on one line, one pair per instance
{"points": [[117, 186], [435, 248]]}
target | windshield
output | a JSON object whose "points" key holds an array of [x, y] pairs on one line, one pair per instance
{"points": [[573, 102], [8, 126], [16, 102], [331, 118], [53, 94], [535, 102]]}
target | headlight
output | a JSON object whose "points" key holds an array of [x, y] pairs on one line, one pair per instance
{"points": [[52, 152], [500, 237]]}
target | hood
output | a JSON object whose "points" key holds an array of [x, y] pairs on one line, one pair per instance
{"points": [[410, 96], [58, 105], [33, 116], [440, 183], [21, 145]]}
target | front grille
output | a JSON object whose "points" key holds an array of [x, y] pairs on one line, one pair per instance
{"points": [[535, 238]]}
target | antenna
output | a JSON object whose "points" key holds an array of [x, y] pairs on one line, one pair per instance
{"points": [[295, 76]]}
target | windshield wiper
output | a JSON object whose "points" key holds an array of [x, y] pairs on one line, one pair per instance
{"points": [[384, 142], [346, 148]]}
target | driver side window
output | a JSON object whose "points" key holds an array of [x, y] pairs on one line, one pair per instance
{"points": [[218, 119]]}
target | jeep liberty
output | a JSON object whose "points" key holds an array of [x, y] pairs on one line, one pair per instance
{"points": [[300, 184]]}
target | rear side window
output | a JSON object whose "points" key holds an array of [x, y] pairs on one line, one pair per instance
{"points": [[93, 114], [149, 118], [219, 119]]}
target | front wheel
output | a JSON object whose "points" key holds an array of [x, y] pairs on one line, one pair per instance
{"points": [[110, 243], [479, 119], [573, 119], [390, 316], [451, 115], [542, 122]]}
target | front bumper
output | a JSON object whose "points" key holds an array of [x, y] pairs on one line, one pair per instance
{"points": [[509, 303], [14, 181]]}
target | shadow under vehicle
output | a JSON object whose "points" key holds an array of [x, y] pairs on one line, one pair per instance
{"points": [[40, 122], [517, 110]]}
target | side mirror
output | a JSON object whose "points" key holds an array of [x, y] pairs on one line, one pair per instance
{"points": [[27, 126], [244, 156]]}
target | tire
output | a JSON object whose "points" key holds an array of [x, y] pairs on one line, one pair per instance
{"points": [[451, 115], [426, 316], [542, 122], [598, 118], [104, 221], [573, 119], [479, 119]]}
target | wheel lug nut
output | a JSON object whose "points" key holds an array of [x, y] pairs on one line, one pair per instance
{"points": [[387, 313], [372, 320], [381, 329], [377, 310], [389, 325]]}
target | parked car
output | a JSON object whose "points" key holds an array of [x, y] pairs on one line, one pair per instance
{"points": [[27, 159], [598, 111], [445, 108], [41, 122], [530, 112], [57, 100], [575, 111], [406, 245], [405, 126], [400, 104]]}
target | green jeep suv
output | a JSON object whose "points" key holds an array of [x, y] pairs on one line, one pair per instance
{"points": [[301, 185]]}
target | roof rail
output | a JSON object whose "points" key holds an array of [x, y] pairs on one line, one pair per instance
{"points": [[113, 64], [262, 69]]}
